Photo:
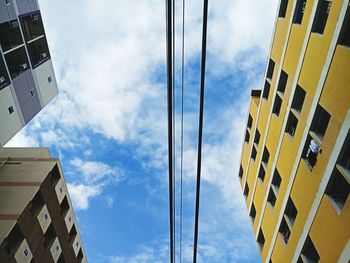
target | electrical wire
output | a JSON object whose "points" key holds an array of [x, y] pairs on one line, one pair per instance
{"points": [[200, 127], [182, 121], [169, 63], [174, 130]]}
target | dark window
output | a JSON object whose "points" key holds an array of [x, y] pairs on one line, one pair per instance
{"points": [[321, 16], [283, 8], [309, 252], [320, 122], [240, 174], [282, 82], [247, 136], [344, 157], [291, 124], [257, 137], [252, 213], [338, 190], [298, 99], [246, 190], [250, 121], [271, 198], [37, 204], [270, 69], [253, 156], [276, 181], [284, 230], [14, 239], [261, 174], [80, 256], [277, 105], [17, 62], [10, 35], [72, 234], [299, 11], [32, 26], [64, 207], [291, 211], [55, 175], [4, 77], [10, 109], [49, 79], [344, 38], [261, 239], [38, 51], [310, 152], [266, 91], [266, 156], [50, 236], [7, 2]]}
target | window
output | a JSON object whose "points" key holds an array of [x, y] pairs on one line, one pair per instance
{"points": [[253, 156], [4, 77], [38, 51], [266, 91], [72, 234], [32, 93], [257, 137], [36, 204], [291, 212], [11, 110], [25, 252], [283, 8], [344, 157], [17, 62], [298, 99], [277, 105], [337, 190], [240, 174], [266, 156], [309, 252], [252, 213], [291, 124], [321, 16], [299, 11], [270, 69], [247, 136], [276, 181], [64, 207], [284, 231], [250, 121], [246, 190], [310, 152], [271, 198], [320, 122], [261, 174], [282, 82], [55, 175], [7, 2], [32, 26], [50, 236], [344, 37], [49, 79], [261, 239], [10, 35]]}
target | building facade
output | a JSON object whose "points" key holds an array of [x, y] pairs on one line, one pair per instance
{"points": [[295, 164], [27, 79], [37, 221]]}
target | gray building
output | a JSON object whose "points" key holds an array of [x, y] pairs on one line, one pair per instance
{"points": [[27, 79], [37, 220]]}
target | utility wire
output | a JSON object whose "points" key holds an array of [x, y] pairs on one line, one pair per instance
{"points": [[200, 127], [182, 118], [174, 131], [169, 55]]}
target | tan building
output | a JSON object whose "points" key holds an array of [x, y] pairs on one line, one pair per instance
{"points": [[295, 165], [37, 221]]}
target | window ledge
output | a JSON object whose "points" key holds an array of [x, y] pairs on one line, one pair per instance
{"points": [[334, 204], [316, 137], [345, 172]]}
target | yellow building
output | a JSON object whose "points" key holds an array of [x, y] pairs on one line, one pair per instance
{"points": [[295, 164]]}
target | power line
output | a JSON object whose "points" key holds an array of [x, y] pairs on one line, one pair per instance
{"points": [[200, 127], [174, 131], [169, 55], [182, 118]]}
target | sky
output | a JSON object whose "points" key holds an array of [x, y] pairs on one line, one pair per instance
{"points": [[108, 125]]}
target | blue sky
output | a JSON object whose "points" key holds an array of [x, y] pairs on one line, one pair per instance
{"points": [[108, 124]]}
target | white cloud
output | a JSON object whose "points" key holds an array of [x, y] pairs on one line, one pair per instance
{"points": [[81, 195], [22, 139]]}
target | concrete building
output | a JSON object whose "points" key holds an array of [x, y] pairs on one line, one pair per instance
{"points": [[295, 164], [27, 79], [37, 221]]}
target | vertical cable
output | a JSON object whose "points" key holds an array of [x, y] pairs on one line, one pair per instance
{"points": [[168, 5], [200, 127], [182, 118], [174, 132]]}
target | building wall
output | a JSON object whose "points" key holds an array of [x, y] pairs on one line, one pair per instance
{"points": [[318, 64]]}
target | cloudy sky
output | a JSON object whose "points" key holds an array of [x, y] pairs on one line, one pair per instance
{"points": [[108, 124]]}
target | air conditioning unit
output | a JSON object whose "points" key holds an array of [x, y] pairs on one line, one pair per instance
{"points": [[14, 24], [35, 18], [24, 66], [44, 55], [2, 79]]}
